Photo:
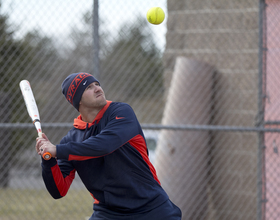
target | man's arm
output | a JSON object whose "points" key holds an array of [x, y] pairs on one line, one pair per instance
{"points": [[57, 178], [121, 128], [57, 183]]}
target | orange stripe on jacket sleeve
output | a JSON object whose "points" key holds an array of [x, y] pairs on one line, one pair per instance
{"points": [[81, 158], [62, 184], [138, 142]]}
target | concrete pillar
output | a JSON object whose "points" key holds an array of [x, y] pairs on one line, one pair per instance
{"points": [[181, 155]]}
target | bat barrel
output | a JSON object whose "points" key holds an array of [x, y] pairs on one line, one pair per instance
{"points": [[32, 109]]}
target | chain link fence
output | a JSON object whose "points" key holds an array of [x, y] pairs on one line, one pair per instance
{"points": [[203, 84]]}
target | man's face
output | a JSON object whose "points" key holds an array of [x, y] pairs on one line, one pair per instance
{"points": [[93, 97]]}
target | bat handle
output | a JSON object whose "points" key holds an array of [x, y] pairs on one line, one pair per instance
{"points": [[47, 155], [39, 134]]}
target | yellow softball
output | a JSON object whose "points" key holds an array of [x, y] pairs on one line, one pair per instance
{"points": [[155, 15]]}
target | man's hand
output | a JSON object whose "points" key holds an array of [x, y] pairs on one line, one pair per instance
{"points": [[43, 145]]}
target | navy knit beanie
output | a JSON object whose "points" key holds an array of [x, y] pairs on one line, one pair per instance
{"points": [[74, 86]]}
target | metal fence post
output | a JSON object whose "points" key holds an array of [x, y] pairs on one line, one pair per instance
{"points": [[260, 117], [95, 24]]}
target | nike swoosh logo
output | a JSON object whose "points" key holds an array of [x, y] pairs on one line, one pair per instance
{"points": [[85, 82], [119, 117]]}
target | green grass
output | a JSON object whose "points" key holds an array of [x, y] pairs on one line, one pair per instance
{"points": [[38, 204]]}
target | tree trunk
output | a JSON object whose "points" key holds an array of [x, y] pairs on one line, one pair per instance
{"points": [[5, 141]]}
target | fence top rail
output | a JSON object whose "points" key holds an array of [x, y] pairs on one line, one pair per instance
{"points": [[153, 127]]}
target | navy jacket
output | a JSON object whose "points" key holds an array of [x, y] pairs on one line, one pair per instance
{"points": [[111, 157]]}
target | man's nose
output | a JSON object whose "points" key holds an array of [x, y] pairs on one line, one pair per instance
{"points": [[97, 88]]}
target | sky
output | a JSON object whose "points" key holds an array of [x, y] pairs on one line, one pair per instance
{"points": [[56, 18]]}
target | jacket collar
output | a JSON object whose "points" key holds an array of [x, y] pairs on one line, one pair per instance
{"points": [[80, 124]]}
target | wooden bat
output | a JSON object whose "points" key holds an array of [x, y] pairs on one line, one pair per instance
{"points": [[32, 110]]}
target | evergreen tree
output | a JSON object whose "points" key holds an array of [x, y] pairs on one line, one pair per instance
{"points": [[18, 57], [133, 68]]}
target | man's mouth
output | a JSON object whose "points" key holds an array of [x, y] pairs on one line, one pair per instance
{"points": [[98, 95]]}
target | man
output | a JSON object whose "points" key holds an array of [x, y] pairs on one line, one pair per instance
{"points": [[108, 150]]}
